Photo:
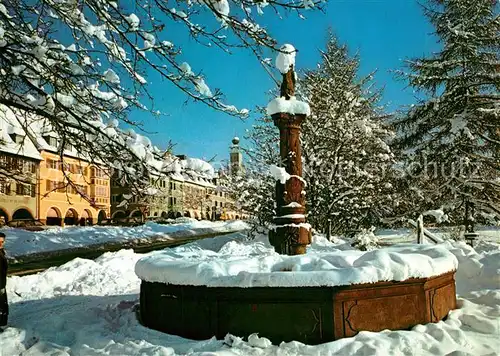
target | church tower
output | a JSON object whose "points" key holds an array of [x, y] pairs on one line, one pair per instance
{"points": [[235, 157]]}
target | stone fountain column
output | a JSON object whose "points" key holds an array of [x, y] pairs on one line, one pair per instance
{"points": [[291, 234]]}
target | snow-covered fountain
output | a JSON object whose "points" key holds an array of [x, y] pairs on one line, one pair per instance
{"points": [[289, 286]]}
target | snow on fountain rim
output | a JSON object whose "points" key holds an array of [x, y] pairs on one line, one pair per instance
{"points": [[247, 264]]}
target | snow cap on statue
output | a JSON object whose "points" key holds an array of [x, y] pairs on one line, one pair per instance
{"points": [[286, 58]]}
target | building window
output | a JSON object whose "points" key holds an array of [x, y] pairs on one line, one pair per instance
{"points": [[97, 172], [25, 189], [52, 141], [101, 191], [4, 188], [52, 164], [61, 187], [53, 186], [82, 189], [19, 139], [77, 189]]}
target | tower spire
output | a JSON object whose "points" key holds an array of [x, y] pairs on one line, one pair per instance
{"points": [[235, 157]]}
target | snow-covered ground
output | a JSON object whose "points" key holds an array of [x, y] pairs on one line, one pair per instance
{"points": [[87, 308], [21, 242]]}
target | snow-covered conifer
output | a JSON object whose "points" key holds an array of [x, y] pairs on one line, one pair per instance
{"points": [[451, 137]]}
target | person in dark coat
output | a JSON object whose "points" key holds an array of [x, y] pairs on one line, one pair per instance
{"points": [[4, 305]]}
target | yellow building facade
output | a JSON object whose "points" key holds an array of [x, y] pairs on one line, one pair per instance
{"points": [[18, 200], [86, 200]]}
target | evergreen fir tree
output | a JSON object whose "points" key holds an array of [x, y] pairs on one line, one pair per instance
{"points": [[451, 138], [346, 157]]}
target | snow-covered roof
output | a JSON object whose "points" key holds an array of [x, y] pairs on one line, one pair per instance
{"points": [[39, 130], [198, 180], [199, 167], [10, 125], [191, 170]]}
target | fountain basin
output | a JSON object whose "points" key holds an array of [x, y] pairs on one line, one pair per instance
{"points": [[310, 315]]}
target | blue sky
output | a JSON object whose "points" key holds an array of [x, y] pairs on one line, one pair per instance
{"points": [[384, 32]]}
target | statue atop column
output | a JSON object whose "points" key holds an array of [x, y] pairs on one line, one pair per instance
{"points": [[285, 62]]}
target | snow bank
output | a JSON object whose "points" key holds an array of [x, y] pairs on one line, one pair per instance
{"points": [[479, 267], [255, 264], [21, 242], [104, 276]]}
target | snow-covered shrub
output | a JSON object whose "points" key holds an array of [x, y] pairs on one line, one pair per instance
{"points": [[365, 240], [455, 233]]}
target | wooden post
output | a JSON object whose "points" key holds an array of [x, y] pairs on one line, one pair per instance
{"points": [[470, 235], [329, 231], [420, 229]]}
